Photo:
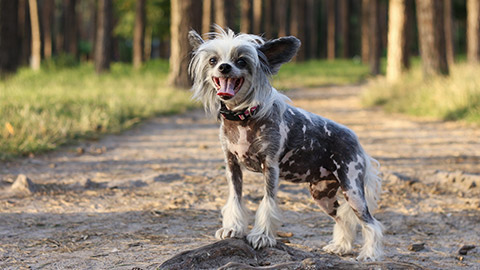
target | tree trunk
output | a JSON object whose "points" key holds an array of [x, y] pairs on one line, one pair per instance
{"points": [[365, 29], [181, 23], [9, 42], [36, 42], [103, 42], [473, 31], [220, 13], [281, 17], [312, 29], [257, 17], [147, 50], [268, 19], [396, 39], [139, 34], [297, 27], [382, 23], [330, 29], [245, 20], [344, 26], [47, 19], [409, 32], [231, 10], [374, 37], [25, 32], [431, 31], [70, 27], [93, 22], [449, 32], [207, 16]]}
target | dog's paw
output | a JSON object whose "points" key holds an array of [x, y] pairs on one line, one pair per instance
{"points": [[225, 233], [260, 240], [337, 249], [370, 255]]}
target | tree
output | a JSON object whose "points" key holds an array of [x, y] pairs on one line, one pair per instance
{"points": [[344, 26], [431, 31], [181, 23], [25, 32], [410, 37], [281, 17], [365, 33], [207, 16], [220, 13], [70, 27], [449, 32], [139, 34], [47, 20], [396, 50], [297, 27], [9, 42], [374, 37], [312, 29], [473, 31], [245, 21], [257, 16], [330, 29], [36, 43], [103, 42], [268, 19]]}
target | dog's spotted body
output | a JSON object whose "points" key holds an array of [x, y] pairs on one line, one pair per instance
{"points": [[281, 141]]}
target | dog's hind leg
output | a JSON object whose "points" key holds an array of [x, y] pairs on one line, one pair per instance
{"points": [[235, 214], [268, 215], [355, 182], [325, 194]]}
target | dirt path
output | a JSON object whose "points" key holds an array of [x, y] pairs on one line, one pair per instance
{"points": [[136, 199]]}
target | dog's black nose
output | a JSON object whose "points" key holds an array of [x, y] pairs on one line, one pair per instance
{"points": [[224, 68]]}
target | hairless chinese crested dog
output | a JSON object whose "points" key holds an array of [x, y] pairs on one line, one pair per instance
{"points": [[261, 132]]}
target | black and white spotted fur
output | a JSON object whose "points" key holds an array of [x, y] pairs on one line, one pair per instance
{"points": [[281, 141]]}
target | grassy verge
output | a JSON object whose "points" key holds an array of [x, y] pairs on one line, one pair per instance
{"points": [[456, 97], [320, 72], [41, 111]]}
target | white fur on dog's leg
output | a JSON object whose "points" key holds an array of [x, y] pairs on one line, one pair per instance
{"points": [[235, 220], [343, 232], [372, 249], [342, 241], [267, 220]]}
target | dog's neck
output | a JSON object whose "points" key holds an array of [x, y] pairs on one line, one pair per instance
{"points": [[240, 115]]}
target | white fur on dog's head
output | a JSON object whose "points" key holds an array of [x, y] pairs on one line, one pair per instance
{"points": [[251, 61]]}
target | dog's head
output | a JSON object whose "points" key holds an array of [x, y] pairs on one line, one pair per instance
{"points": [[235, 69]]}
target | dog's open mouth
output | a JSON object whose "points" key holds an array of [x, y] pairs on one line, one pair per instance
{"points": [[227, 87]]}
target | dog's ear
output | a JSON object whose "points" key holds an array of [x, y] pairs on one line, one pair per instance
{"points": [[195, 39], [279, 51]]}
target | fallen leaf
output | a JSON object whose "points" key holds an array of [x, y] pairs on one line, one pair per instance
{"points": [[9, 128]]}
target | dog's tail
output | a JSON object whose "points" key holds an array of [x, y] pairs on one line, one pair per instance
{"points": [[372, 183]]}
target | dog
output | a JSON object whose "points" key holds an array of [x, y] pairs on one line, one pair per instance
{"points": [[260, 131]]}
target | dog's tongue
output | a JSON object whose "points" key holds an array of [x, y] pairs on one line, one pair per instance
{"points": [[227, 86]]}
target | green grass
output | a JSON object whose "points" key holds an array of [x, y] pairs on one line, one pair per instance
{"points": [[66, 102], [320, 72], [456, 97], [41, 111]]}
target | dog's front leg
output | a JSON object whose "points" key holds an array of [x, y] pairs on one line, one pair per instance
{"points": [[268, 215], [235, 214]]}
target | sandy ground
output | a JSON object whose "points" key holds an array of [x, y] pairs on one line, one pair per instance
{"points": [[136, 199]]}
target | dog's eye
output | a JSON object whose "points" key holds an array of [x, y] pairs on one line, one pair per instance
{"points": [[241, 63], [213, 61]]}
